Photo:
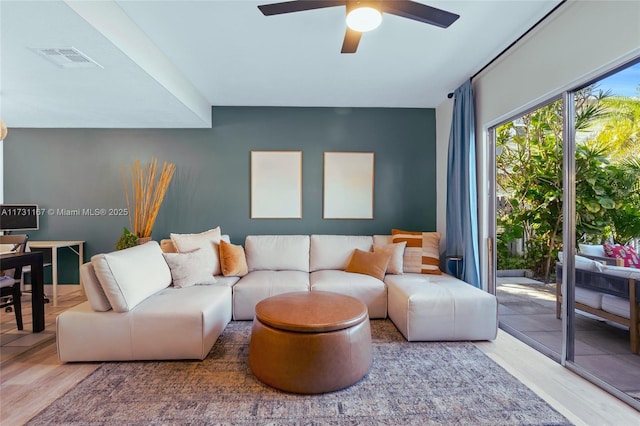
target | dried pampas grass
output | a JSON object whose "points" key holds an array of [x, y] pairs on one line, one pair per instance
{"points": [[147, 192]]}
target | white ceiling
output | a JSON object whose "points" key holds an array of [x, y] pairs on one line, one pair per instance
{"points": [[166, 62]]}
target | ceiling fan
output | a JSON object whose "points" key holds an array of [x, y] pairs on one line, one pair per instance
{"points": [[364, 16]]}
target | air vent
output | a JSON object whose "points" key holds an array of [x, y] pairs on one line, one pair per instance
{"points": [[67, 57]]}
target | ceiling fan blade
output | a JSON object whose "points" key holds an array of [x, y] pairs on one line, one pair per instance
{"points": [[419, 12], [298, 6], [351, 40]]}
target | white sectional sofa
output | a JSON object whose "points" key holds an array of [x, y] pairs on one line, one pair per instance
{"points": [[133, 312]]}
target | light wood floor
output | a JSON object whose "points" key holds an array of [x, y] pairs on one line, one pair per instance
{"points": [[31, 377]]}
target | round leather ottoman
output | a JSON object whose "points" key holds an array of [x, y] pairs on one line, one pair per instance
{"points": [[310, 342]]}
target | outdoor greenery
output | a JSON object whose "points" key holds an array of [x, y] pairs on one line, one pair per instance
{"points": [[530, 185]]}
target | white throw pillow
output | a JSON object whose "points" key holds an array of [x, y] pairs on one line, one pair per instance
{"points": [[189, 268], [207, 241], [592, 250], [396, 250], [131, 275]]}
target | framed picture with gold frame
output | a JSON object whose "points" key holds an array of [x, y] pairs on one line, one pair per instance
{"points": [[348, 185], [276, 184]]}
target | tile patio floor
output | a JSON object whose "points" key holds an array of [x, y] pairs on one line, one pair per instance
{"points": [[601, 348]]}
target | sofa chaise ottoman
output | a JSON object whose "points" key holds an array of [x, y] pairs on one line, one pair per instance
{"points": [[440, 307]]}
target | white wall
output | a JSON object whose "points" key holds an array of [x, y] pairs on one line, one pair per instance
{"points": [[579, 42]]}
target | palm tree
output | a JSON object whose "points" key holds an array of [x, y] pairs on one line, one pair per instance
{"points": [[618, 133], [620, 128]]}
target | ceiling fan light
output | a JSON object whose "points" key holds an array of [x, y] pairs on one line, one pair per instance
{"points": [[364, 19]]}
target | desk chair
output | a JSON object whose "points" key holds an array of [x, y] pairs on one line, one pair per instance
{"points": [[11, 279]]}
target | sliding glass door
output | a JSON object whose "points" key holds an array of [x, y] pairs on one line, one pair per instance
{"points": [[606, 232], [567, 181], [528, 199]]}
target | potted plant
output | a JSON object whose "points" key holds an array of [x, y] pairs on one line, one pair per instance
{"points": [[126, 240], [144, 195]]}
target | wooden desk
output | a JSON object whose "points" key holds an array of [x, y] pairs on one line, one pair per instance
{"points": [[34, 260], [54, 246]]}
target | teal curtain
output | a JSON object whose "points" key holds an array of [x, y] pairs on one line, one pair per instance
{"points": [[462, 203]]}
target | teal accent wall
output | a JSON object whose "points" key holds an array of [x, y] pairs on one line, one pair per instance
{"points": [[81, 169]]}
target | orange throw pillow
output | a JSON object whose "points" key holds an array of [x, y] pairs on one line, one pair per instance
{"points": [[232, 260], [369, 263]]}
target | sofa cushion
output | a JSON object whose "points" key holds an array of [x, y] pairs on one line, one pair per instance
{"points": [[621, 271], [258, 285], [585, 263], [189, 268], [207, 241], [422, 253], [371, 291], [204, 312], [616, 305], [131, 275], [277, 252], [368, 263], [589, 297], [92, 288], [592, 250], [233, 261], [329, 252], [396, 259]]}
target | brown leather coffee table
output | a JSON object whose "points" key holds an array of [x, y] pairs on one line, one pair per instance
{"points": [[310, 342]]}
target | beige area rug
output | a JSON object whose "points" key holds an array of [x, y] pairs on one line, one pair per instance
{"points": [[440, 383]]}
